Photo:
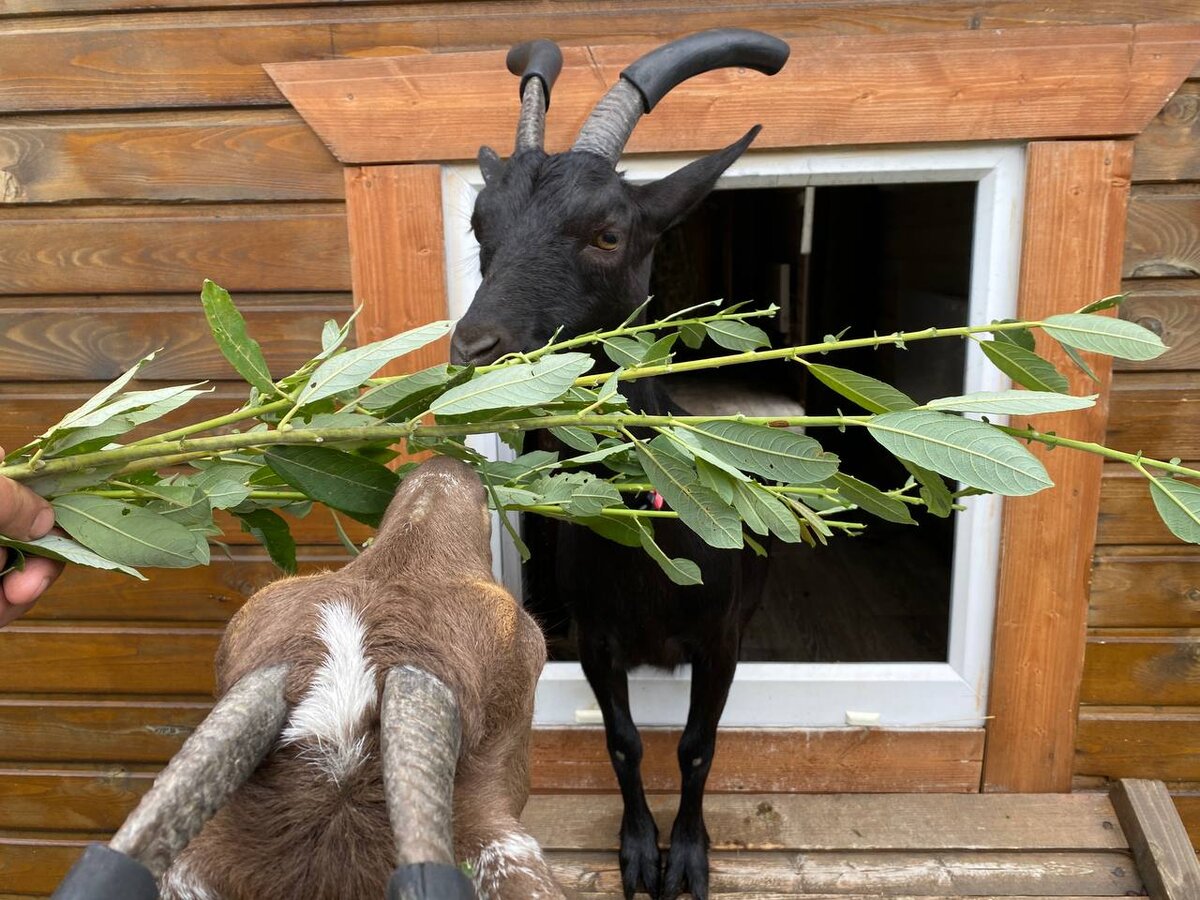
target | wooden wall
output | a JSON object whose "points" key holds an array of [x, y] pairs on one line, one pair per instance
{"points": [[142, 149]]}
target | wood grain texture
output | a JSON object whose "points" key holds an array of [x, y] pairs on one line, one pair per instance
{"points": [[212, 58], [87, 730], [91, 660], [974, 85], [1127, 513], [203, 155], [33, 866], [1163, 240], [1170, 307], [99, 337], [1074, 222], [1157, 413], [1143, 667], [1138, 742], [160, 249], [839, 759], [397, 256], [1151, 587], [1169, 148], [37, 799], [1158, 840]]}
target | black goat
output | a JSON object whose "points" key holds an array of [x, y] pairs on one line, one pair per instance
{"points": [[566, 243]]}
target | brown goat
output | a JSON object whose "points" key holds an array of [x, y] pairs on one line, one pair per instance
{"points": [[312, 821]]}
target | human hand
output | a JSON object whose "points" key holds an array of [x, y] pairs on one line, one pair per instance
{"points": [[24, 516]]}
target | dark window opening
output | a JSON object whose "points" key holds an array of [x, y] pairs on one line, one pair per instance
{"points": [[882, 258]]}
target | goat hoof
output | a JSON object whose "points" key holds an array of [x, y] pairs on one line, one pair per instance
{"points": [[640, 860], [687, 867]]}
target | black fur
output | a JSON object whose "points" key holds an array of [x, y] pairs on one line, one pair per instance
{"points": [[536, 221]]}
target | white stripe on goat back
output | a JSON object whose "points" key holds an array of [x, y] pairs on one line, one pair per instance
{"points": [[330, 719]]}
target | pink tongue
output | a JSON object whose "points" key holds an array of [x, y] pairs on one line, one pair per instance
{"points": [[656, 500]]}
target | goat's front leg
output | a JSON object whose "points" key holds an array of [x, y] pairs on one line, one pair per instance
{"points": [[640, 861], [687, 859]]}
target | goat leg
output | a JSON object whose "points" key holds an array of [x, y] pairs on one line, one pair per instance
{"points": [[214, 762], [420, 738]]}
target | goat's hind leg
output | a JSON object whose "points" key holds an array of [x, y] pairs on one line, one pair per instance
{"points": [[640, 859], [687, 858]]}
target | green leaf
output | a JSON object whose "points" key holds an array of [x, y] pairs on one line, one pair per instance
{"points": [[870, 499], [716, 478], [659, 353], [681, 571], [55, 546], [387, 395], [575, 438], [1073, 355], [624, 351], [229, 331], [773, 513], [774, 453], [350, 369], [869, 393], [522, 384], [1025, 368], [98, 399], [591, 496], [1022, 337], [698, 507], [597, 455], [271, 530], [129, 534], [964, 449], [937, 497], [737, 335], [1015, 403], [1102, 334], [356, 486], [623, 531], [1178, 503], [1103, 303], [692, 335]]}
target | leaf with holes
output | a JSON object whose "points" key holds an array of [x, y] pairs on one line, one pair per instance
{"points": [[870, 393], [356, 486], [1102, 334], [1013, 403], [1024, 367], [969, 451], [129, 534], [522, 384], [1178, 504]]}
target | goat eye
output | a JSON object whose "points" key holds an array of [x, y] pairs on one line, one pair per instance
{"points": [[606, 240]]}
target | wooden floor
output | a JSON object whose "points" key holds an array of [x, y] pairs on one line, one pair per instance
{"points": [[774, 846]]}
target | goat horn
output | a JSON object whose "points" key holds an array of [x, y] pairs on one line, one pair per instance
{"points": [[214, 762], [538, 64], [420, 737], [651, 77]]}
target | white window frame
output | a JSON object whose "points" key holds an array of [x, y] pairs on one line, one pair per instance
{"points": [[949, 694]]}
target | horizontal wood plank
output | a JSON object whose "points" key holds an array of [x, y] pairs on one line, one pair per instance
{"points": [[812, 822], [1162, 239], [90, 660], [122, 732], [1142, 667], [159, 249], [1138, 742], [212, 58], [1169, 148], [1170, 307], [99, 337], [970, 85], [836, 759], [200, 155], [1145, 587], [884, 874], [1157, 413], [1127, 513], [69, 800], [35, 866]]}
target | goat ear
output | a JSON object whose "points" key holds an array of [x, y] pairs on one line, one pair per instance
{"points": [[490, 164], [667, 202]]}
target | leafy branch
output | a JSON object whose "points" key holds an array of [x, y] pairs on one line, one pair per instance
{"points": [[327, 433]]}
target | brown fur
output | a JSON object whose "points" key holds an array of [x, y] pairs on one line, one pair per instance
{"points": [[425, 594]]}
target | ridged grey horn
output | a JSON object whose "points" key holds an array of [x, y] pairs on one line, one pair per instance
{"points": [[612, 120], [531, 127]]}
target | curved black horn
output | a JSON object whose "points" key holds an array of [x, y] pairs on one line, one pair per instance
{"points": [[538, 64], [648, 80]]}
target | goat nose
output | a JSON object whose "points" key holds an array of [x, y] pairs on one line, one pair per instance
{"points": [[478, 348]]}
